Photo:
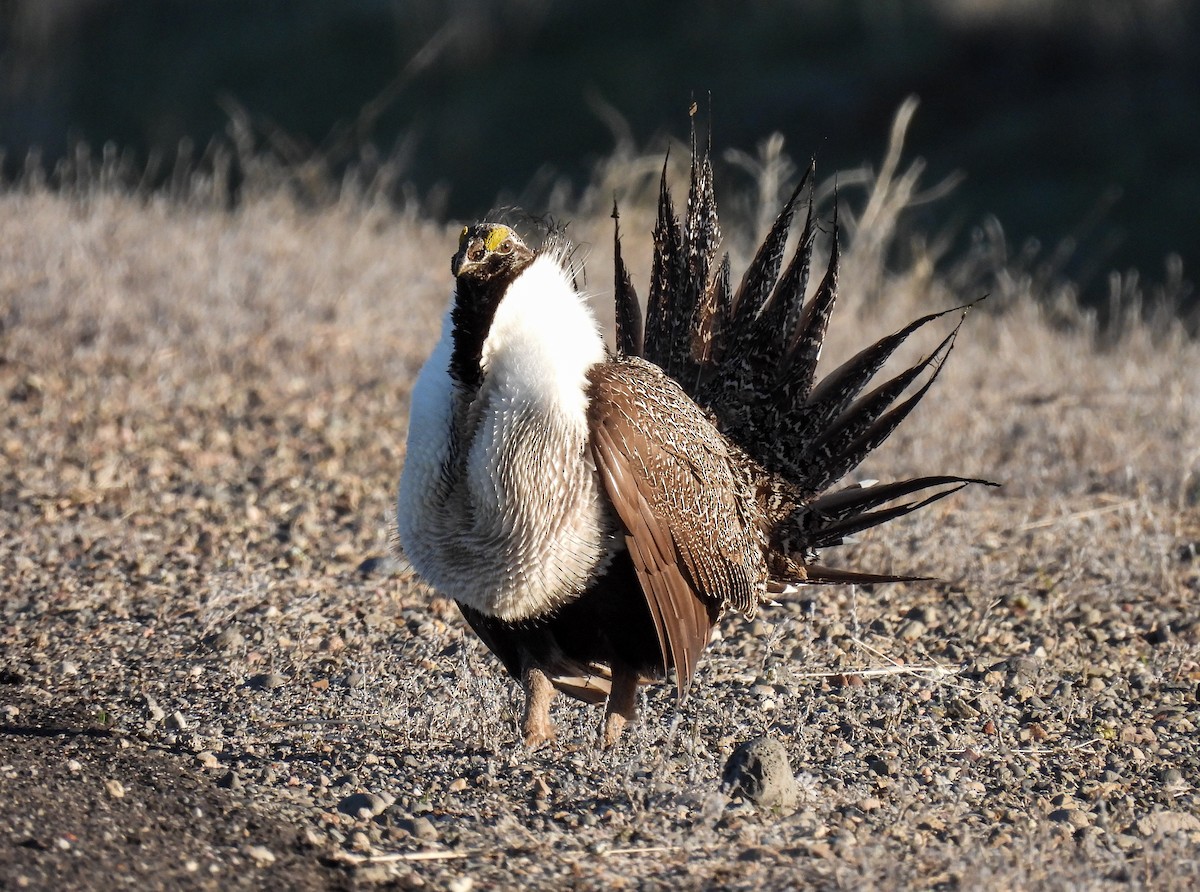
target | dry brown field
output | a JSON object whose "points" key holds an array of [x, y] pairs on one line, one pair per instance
{"points": [[215, 673]]}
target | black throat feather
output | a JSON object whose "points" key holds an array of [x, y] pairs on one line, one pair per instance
{"points": [[475, 303]]}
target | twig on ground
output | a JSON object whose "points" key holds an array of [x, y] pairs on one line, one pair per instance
{"points": [[1075, 515], [393, 857]]}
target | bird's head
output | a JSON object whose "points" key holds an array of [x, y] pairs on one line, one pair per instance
{"points": [[489, 258], [488, 252]]}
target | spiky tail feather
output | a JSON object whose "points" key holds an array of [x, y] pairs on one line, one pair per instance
{"points": [[750, 358]]}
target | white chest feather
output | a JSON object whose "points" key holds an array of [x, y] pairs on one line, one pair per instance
{"points": [[500, 506]]}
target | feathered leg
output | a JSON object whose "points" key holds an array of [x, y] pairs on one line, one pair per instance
{"points": [[536, 723], [622, 705]]}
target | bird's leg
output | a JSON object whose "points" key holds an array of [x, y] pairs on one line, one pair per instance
{"points": [[539, 692], [622, 705]]}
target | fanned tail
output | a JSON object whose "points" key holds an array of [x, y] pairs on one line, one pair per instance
{"points": [[749, 356]]}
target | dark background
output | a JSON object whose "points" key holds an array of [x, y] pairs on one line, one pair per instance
{"points": [[1072, 119]]}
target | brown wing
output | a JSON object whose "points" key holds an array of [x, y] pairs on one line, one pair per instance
{"points": [[690, 520]]}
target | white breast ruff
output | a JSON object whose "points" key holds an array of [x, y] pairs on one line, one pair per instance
{"points": [[512, 521]]}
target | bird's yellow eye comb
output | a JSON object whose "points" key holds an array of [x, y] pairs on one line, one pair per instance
{"points": [[496, 236]]}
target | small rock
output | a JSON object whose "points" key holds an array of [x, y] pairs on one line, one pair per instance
{"points": [[1172, 776], [228, 639], [208, 760], [153, 710], [267, 681], [424, 830], [883, 767], [760, 771], [1077, 818], [177, 721], [1168, 822], [372, 804], [73, 765], [261, 855], [379, 565], [230, 781], [912, 630], [115, 789], [1158, 635], [461, 884]]}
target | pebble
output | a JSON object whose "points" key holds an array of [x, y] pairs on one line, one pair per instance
{"points": [[1172, 776], [267, 681], [1168, 822], [883, 767], [261, 855], [228, 639], [115, 789], [759, 770], [208, 760], [423, 829], [379, 565], [912, 630], [372, 804], [177, 721], [1077, 818]]}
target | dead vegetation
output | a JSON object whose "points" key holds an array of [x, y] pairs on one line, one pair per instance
{"points": [[204, 418]]}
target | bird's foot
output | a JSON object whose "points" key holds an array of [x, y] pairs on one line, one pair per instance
{"points": [[622, 707], [536, 724]]}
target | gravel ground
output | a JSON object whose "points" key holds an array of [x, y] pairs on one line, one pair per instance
{"points": [[214, 673]]}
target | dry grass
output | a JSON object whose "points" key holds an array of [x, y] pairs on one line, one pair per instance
{"points": [[204, 425]]}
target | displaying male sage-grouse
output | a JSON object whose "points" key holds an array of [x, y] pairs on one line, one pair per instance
{"points": [[595, 514]]}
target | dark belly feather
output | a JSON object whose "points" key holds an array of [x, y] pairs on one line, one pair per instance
{"points": [[609, 625]]}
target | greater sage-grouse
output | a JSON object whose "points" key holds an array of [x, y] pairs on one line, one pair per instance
{"points": [[594, 514]]}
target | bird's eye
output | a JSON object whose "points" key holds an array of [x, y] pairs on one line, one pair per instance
{"points": [[506, 247]]}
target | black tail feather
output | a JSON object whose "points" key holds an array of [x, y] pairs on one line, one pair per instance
{"points": [[765, 314], [666, 280], [628, 311], [834, 533], [698, 314], [836, 460], [763, 271], [709, 323], [837, 389], [834, 436], [800, 363], [784, 310], [843, 503]]}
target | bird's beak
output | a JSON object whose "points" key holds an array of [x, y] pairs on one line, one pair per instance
{"points": [[462, 260]]}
